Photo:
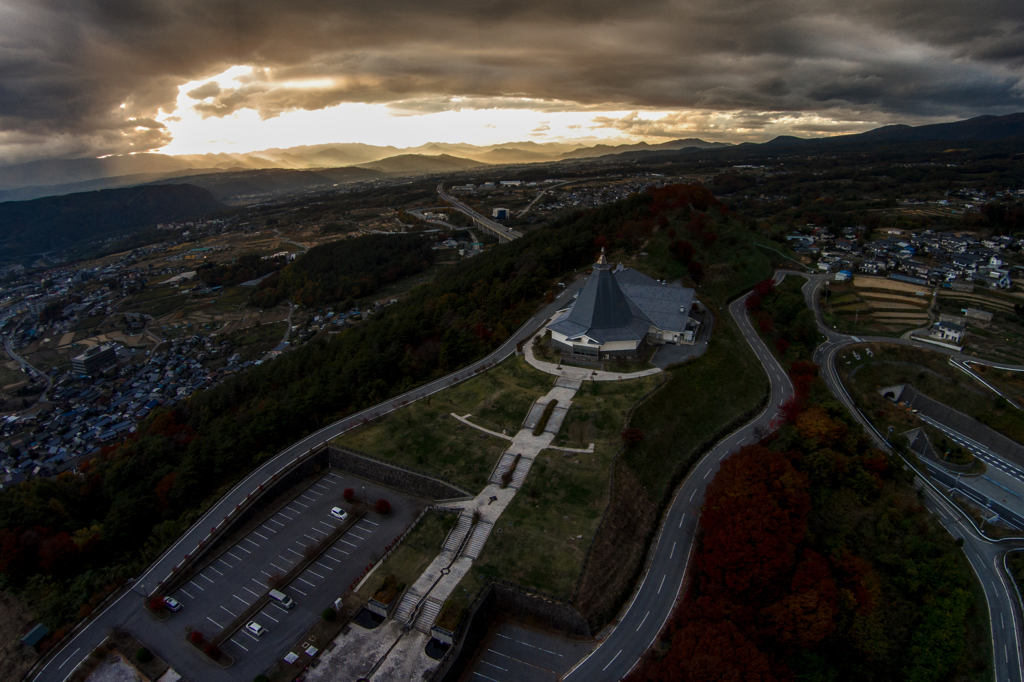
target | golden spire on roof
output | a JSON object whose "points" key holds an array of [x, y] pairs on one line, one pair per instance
{"points": [[602, 260]]}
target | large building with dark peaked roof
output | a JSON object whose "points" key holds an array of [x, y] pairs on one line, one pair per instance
{"points": [[621, 310]]}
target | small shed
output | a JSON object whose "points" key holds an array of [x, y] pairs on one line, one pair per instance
{"points": [[35, 635]]}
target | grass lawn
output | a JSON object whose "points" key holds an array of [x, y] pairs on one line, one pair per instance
{"points": [[424, 435], [231, 298], [252, 342], [542, 538], [420, 547]]}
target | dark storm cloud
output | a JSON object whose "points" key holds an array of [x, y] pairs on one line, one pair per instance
{"points": [[66, 68]]}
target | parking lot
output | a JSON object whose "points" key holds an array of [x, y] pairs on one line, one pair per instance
{"points": [[214, 597], [521, 654]]}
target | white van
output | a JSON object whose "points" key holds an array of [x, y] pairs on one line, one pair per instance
{"points": [[282, 598]]}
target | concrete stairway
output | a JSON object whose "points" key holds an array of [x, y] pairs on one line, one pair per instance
{"points": [[458, 533], [428, 614], [405, 607], [567, 382], [476, 541], [503, 465]]}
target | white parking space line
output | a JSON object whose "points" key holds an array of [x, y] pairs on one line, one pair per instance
{"points": [[232, 615], [250, 592], [324, 523], [236, 558], [339, 550], [354, 533], [216, 571], [275, 521], [310, 492], [307, 582], [210, 580], [304, 506], [348, 543], [265, 573], [239, 646], [277, 567], [251, 635], [331, 558], [289, 549], [261, 584], [310, 570], [324, 566], [267, 615], [315, 540], [268, 528], [369, 522], [256, 532], [244, 549], [254, 544], [292, 587], [225, 563], [193, 584], [182, 589], [290, 518], [320, 485], [240, 599], [213, 621]]}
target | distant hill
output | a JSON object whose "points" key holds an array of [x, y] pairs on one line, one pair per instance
{"points": [[418, 163], [673, 145], [248, 186], [43, 225], [979, 129], [506, 155]]}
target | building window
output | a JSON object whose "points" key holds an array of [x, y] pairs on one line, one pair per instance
{"points": [[585, 350]]}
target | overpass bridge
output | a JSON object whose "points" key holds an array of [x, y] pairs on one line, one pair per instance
{"points": [[504, 234]]}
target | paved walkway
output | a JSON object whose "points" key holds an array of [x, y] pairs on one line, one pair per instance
{"points": [[399, 654], [581, 373]]}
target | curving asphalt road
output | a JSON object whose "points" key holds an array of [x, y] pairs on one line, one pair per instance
{"points": [[654, 600], [644, 617], [129, 602]]}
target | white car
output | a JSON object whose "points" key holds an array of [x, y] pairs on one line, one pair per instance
{"points": [[255, 628], [172, 604], [339, 513]]}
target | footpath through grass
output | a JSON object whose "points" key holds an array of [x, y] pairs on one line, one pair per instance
{"points": [[541, 539], [424, 435]]}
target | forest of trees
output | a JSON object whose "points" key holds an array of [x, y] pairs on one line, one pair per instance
{"points": [[66, 541], [346, 269], [246, 267]]}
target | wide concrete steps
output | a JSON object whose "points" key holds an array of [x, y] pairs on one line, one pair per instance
{"points": [[556, 419], [522, 469], [405, 607], [481, 532], [458, 533], [504, 464], [428, 614], [568, 382], [533, 417]]}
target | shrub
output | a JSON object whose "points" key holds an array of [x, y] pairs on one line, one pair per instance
{"points": [[143, 655], [156, 603], [383, 507], [349, 494], [543, 422], [196, 637], [632, 436], [328, 614], [212, 650]]}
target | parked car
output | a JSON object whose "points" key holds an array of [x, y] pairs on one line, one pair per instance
{"points": [[255, 628], [172, 603], [339, 513]]}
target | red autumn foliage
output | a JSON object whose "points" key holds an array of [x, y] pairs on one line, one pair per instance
{"points": [[755, 515], [349, 494], [765, 323], [682, 196], [383, 507], [781, 345], [696, 271], [632, 436], [753, 302], [765, 287]]}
